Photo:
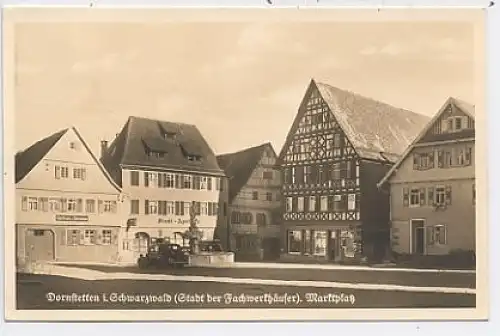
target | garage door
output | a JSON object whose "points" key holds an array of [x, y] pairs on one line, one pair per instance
{"points": [[39, 245]]}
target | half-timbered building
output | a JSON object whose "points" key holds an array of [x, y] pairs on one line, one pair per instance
{"points": [[339, 146], [254, 202], [432, 186]]}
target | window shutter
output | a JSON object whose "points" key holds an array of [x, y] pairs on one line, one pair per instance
{"points": [[210, 208], [440, 155], [62, 236], [81, 236], [146, 179], [448, 195], [114, 238], [415, 161], [177, 181], [177, 205], [57, 172], [79, 205], [468, 156], [161, 176], [197, 182], [209, 183], [45, 204], [24, 203], [198, 208], [294, 204], [431, 159], [430, 195], [146, 207], [465, 122], [181, 208], [429, 239], [64, 205], [100, 206], [422, 196], [406, 200]]}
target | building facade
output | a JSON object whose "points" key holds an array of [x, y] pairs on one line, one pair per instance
{"points": [[67, 207], [254, 202], [166, 168], [339, 146], [432, 186]]}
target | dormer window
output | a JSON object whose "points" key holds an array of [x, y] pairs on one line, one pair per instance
{"points": [[168, 131], [191, 152], [156, 155], [154, 147], [169, 136]]}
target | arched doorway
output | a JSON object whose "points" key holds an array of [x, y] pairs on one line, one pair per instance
{"points": [[141, 242]]}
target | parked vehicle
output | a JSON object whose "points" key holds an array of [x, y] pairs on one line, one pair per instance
{"points": [[164, 255], [210, 246]]}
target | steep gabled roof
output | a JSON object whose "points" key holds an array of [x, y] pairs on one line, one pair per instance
{"points": [[463, 106], [240, 165], [142, 134], [26, 160], [377, 131]]}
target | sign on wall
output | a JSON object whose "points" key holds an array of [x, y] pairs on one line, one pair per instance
{"points": [[72, 218], [179, 221]]}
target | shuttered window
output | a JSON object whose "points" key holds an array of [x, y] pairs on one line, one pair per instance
{"points": [[406, 197]]}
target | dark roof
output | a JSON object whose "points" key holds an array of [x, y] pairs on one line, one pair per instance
{"points": [[139, 135], [27, 159], [377, 130], [464, 106], [240, 165]]}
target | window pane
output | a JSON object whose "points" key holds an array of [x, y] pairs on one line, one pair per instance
{"points": [[294, 241]]}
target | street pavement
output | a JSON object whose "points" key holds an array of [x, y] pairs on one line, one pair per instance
{"points": [[347, 275], [55, 292], [113, 287]]}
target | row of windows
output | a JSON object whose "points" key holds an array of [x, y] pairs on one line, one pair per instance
{"points": [[178, 208], [431, 196], [62, 172], [238, 217], [69, 205], [255, 195], [320, 174], [89, 237], [316, 242], [322, 203], [454, 157], [177, 181]]}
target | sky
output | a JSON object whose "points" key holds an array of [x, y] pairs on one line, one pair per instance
{"points": [[241, 83]]}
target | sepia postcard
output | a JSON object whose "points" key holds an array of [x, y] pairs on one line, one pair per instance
{"points": [[245, 164]]}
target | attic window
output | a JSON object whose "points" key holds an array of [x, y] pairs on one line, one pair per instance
{"points": [[72, 145], [156, 155], [191, 152], [168, 131]]}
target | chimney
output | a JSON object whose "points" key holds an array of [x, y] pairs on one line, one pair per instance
{"points": [[104, 148]]}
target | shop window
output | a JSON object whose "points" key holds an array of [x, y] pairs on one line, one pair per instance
{"points": [[294, 241], [319, 243]]}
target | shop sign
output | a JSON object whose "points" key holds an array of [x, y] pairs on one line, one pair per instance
{"points": [[179, 221], [72, 218]]}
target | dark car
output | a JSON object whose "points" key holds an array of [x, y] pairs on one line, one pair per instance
{"points": [[210, 246], [164, 255]]}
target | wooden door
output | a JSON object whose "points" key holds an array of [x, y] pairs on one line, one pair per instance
{"points": [[39, 245]]}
